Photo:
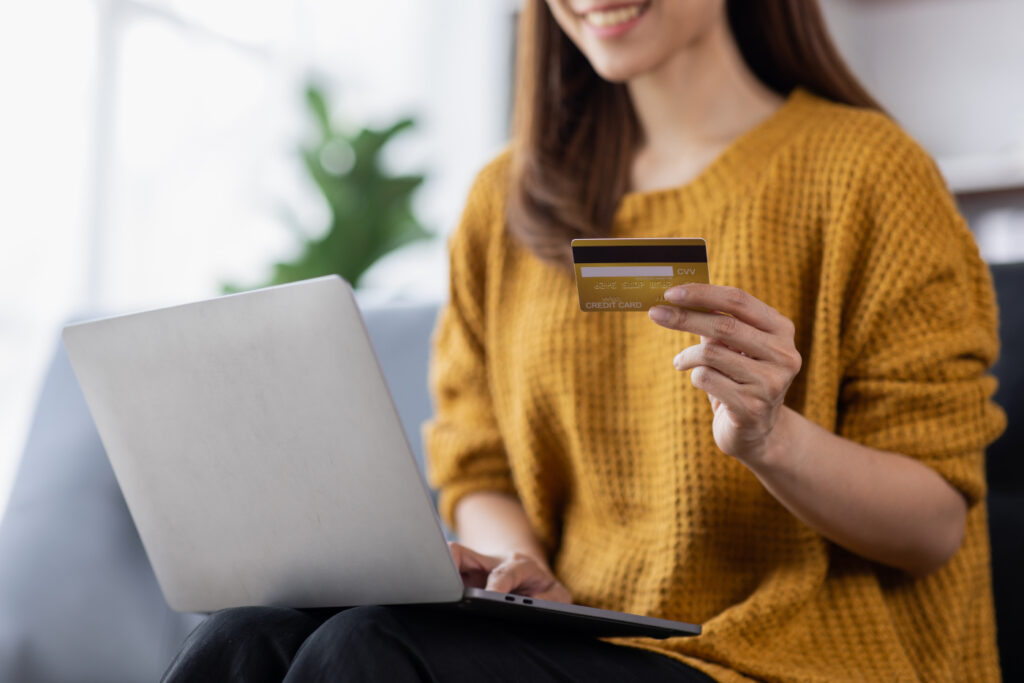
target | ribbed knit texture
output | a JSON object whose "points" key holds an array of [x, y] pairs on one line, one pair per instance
{"points": [[836, 218]]}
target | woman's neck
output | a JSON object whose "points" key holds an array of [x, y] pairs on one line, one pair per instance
{"points": [[692, 106]]}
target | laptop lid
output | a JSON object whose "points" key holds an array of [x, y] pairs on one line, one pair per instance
{"points": [[260, 453]]}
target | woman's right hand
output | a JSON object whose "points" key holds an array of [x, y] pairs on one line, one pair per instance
{"points": [[514, 573]]}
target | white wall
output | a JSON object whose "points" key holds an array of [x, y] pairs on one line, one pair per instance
{"points": [[952, 72], [47, 50]]}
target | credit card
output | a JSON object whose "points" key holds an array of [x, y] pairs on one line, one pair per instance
{"points": [[632, 274]]}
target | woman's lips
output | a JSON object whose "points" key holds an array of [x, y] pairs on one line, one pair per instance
{"points": [[607, 21]]}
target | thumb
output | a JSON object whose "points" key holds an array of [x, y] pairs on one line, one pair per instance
{"points": [[507, 577], [467, 559]]}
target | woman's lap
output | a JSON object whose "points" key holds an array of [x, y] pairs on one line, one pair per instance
{"points": [[402, 643]]}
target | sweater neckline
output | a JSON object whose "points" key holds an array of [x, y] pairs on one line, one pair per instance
{"points": [[738, 164]]}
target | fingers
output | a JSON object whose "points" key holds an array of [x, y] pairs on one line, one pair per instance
{"points": [[766, 381], [557, 593], [516, 573], [522, 575], [737, 367], [723, 389], [474, 567], [466, 558], [752, 328], [731, 331], [745, 362], [733, 301], [750, 412]]}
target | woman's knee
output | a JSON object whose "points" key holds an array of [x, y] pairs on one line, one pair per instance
{"points": [[373, 625], [364, 643], [231, 627], [243, 637]]}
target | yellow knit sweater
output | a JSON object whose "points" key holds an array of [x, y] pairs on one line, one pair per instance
{"points": [[836, 218]]}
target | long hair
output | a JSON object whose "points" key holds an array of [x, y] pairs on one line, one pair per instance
{"points": [[574, 133]]}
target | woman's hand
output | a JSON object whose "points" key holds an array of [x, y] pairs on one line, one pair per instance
{"points": [[745, 362], [515, 573]]}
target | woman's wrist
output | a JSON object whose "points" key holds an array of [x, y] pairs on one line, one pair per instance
{"points": [[783, 446], [495, 523]]}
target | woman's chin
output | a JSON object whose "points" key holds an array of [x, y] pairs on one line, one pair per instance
{"points": [[618, 69]]}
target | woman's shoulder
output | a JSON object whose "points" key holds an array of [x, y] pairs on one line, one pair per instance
{"points": [[491, 181], [863, 159], [881, 186], [483, 214], [865, 140]]}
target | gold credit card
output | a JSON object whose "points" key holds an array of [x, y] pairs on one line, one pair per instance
{"points": [[632, 274]]}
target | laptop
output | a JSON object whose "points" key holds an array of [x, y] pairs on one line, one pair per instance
{"points": [[263, 461]]}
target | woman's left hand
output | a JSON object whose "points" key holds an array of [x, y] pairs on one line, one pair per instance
{"points": [[745, 362]]}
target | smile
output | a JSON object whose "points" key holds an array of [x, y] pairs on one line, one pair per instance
{"points": [[610, 17]]}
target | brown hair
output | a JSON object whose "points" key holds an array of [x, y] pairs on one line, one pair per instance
{"points": [[574, 133]]}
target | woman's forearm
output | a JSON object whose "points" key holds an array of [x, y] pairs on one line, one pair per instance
{"points": [[498, 551], [884, 506], [496, 524]]}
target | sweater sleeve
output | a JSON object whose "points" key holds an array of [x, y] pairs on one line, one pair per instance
{"points": [[465, 451], [920, 328]]}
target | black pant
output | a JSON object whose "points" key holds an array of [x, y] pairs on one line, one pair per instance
{"points": [[408, 643]]}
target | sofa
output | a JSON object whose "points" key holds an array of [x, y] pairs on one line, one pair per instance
{"points": [[78, 598]]}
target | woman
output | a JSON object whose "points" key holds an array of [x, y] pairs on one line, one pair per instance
{"points": [[812, 492]]}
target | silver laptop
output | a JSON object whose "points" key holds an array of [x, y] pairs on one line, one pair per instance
{"points": [[264, 463]]}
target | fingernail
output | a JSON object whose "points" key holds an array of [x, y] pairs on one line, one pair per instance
{"points": [[675, 294], [660, 314], [678, 360]]}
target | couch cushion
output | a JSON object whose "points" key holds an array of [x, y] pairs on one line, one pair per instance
{"points": [[1005, 463], [401, 339], [78, 599], [1005, 460]]}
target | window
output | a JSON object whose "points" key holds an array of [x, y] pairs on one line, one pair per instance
{"points": [[150, 148]]}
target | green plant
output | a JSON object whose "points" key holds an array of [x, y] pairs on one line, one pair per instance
{"points": [[370, 210]]}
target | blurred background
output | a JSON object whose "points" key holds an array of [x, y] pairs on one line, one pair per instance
{"points": [[157, 151]]}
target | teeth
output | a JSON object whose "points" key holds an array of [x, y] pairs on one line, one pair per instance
{"points": [[612, 17]]}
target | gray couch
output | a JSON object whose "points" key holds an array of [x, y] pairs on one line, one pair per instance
{"points": [[78, 598]]}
